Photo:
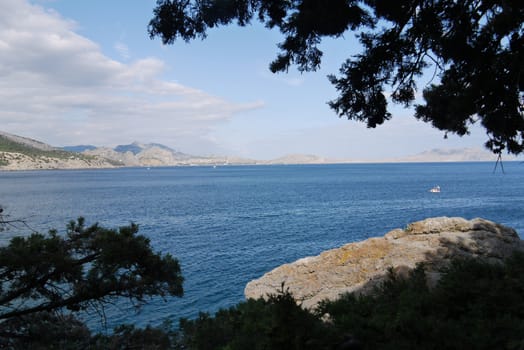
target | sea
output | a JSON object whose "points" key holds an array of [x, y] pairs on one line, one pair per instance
{"points": [[229, 224]]}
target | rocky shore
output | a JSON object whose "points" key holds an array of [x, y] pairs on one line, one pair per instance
{"points": [[358, 267]]}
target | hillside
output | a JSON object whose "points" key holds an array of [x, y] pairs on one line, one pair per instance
{"points": [[20, 153], [10, 142], [154, 154]]}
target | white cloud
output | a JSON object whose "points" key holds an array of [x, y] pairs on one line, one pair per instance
{"points": [[57, 86]]}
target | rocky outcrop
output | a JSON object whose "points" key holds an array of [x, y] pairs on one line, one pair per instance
{"points": [[358, 267]]}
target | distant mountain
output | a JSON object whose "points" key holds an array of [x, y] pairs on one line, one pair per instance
{"points": [[17, 152], [79, 148], [18, 142], [21, 153], [452, 155], [300, 159], [137, 147], [134, 148], [155, 154]]}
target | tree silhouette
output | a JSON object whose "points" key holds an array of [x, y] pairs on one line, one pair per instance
{"points": [[474, 48], [43, 275]]}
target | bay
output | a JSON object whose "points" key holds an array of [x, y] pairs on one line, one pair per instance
{"points": [[230, 224]]}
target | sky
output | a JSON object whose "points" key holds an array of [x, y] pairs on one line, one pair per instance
{"points": [[86, 72]]}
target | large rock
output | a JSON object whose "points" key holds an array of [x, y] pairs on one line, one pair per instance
{"points": [[358, 267]]}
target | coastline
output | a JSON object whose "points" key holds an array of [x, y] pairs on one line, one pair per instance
{"points": [[21, 162]]}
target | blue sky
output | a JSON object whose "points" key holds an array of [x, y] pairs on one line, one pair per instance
{"points": [[86, 72]]}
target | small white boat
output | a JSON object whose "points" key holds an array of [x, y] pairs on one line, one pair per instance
{"points": [[435, 189]]}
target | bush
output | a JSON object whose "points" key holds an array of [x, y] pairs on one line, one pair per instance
{"points": [[275, 323], [475, 305]]}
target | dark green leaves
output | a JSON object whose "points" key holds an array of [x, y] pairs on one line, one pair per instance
{"points": [[278, 323], [475, 50], [89, 265], [475, 305]]}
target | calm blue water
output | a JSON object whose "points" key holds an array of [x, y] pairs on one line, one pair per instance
{"points": [[228, 225]]}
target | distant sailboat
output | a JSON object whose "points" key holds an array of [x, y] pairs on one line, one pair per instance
{"points": [[435, 189]]}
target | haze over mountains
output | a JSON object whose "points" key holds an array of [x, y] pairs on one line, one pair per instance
{"points": [[153, 154], [21, 153]]}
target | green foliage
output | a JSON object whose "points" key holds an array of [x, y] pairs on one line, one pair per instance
{"points": [[474, 48], [7, 145], [88, 267], [44, 330], [475, 305], [278, 323], [129, 337]]}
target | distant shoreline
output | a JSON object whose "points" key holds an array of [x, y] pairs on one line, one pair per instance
{"points": [[18, 153], [254, 164]]}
